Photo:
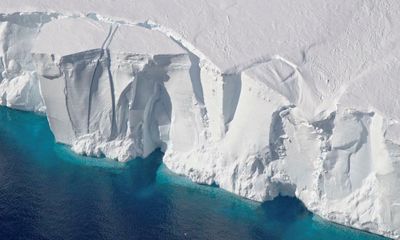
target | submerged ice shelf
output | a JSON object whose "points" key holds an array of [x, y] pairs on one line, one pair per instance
{"points": [[319, 122]]}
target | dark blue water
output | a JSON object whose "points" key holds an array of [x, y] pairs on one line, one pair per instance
{"points": [[46, 192]]}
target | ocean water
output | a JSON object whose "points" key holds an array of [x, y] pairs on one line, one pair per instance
{"points": [[47, 192]]}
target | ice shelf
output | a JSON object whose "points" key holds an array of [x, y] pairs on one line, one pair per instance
{"points": [[302, 101]]}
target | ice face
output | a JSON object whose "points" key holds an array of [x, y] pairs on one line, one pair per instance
{"points": [[319, 122], [116, 100]]}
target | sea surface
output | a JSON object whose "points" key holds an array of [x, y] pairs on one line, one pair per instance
{"points": [[47, 192]]}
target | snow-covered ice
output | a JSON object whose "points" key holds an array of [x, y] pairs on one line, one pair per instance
{"points": [[262, 98]]}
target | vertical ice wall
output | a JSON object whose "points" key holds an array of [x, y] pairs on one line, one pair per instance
{"points": [[117, 89]]}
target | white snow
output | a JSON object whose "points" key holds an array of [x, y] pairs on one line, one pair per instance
{"points": [[262, 98]]}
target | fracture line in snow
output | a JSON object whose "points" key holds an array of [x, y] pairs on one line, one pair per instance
{"points": [[148, 24], [104, 46]]}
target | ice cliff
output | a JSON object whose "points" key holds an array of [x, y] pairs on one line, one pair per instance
{"points": [[303, 102]]}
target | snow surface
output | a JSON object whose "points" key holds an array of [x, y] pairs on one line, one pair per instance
{"points": [[261, 98]]}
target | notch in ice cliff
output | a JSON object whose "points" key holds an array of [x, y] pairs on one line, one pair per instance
{"points": [[121, 89]]}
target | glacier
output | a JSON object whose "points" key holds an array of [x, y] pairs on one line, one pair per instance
{"points": [[302, 102]]}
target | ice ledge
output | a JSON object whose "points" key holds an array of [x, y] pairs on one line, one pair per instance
{"points": [[259, 130]]}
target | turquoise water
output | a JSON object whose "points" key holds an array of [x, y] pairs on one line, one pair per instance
{"points": [[47, 192]]}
